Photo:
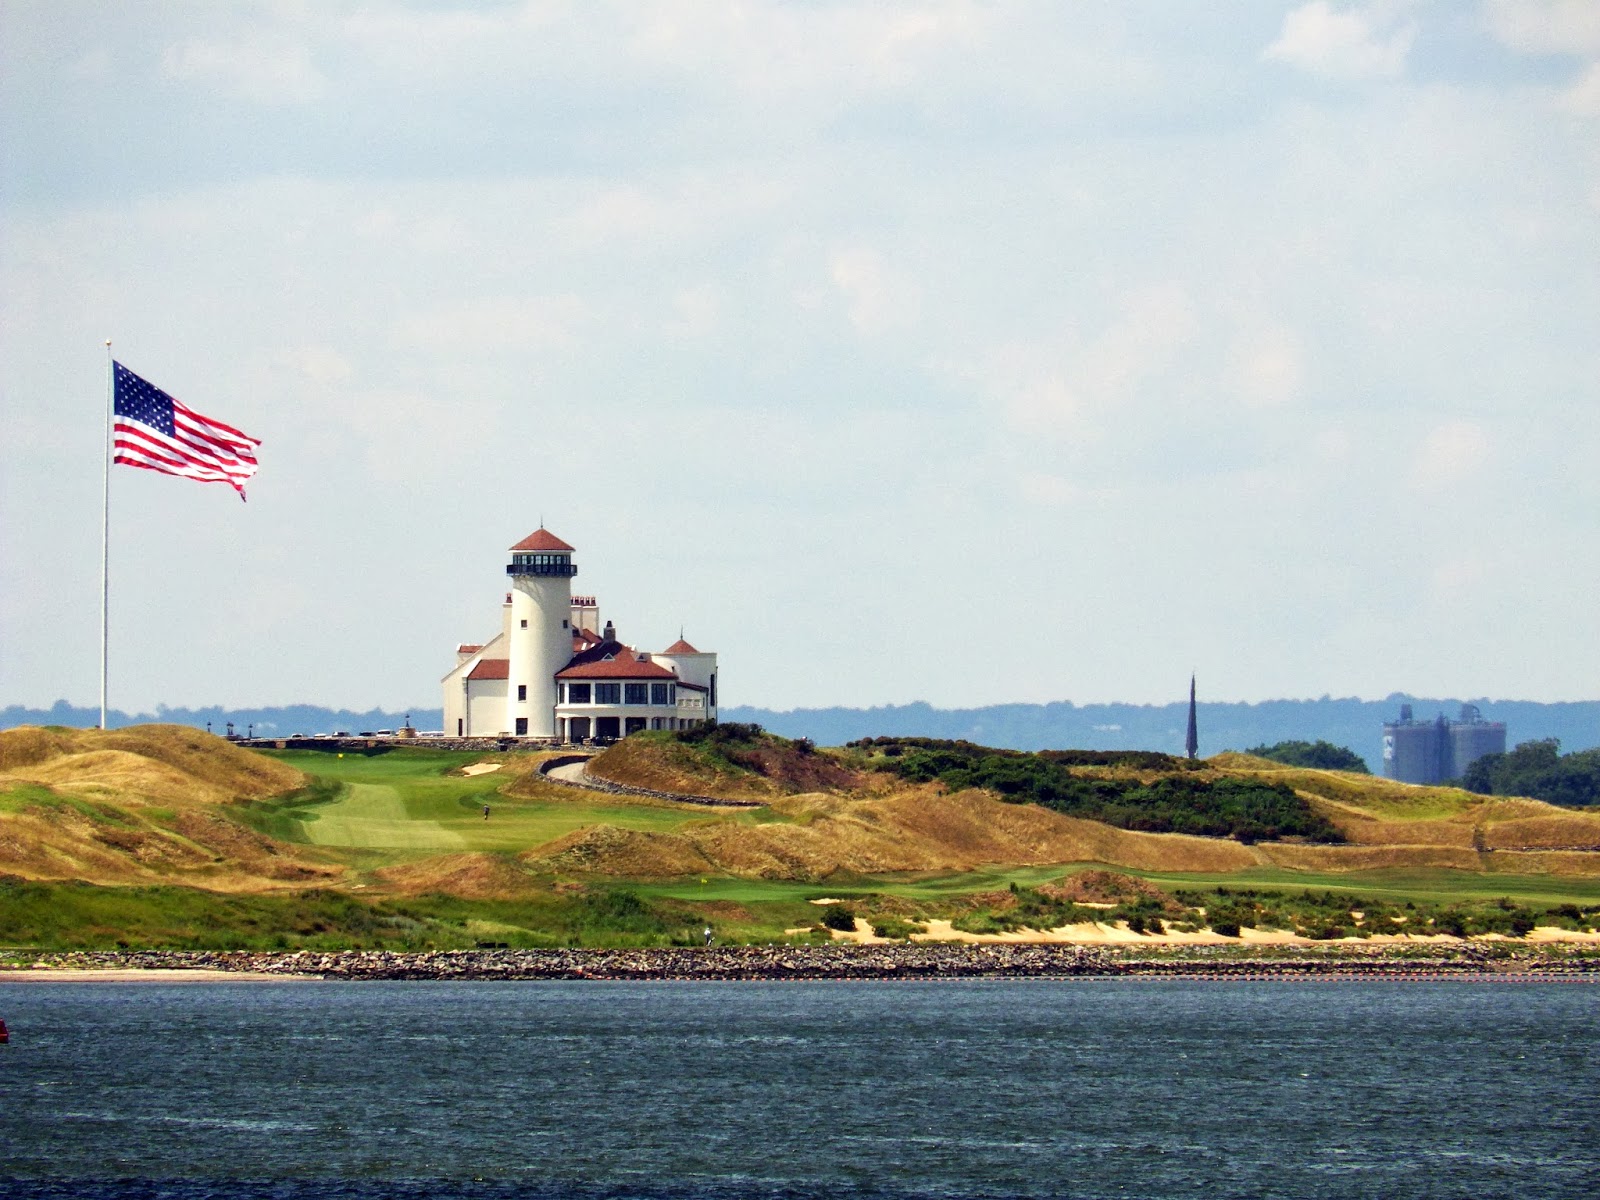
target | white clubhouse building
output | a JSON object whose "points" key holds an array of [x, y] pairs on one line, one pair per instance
{"points": [[552, 672]]}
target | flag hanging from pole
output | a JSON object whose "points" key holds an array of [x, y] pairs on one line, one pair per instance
{"points": [[158, 433]]}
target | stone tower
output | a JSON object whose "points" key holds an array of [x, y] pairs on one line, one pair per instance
{"points": [[540, 641]]}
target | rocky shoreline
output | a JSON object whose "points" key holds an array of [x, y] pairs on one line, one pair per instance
{"points": [[842, 962]]}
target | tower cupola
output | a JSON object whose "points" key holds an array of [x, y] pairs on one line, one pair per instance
{"points": [[542, 553]]}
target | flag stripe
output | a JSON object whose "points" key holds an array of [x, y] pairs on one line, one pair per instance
{"points": [[158, 433], [139, 439]]}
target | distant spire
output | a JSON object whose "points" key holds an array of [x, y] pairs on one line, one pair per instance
{"points": [[1192, 742]]}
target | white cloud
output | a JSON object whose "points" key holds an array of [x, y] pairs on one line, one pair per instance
{"points": [[877, 298], [319, 364], [1450, 454], [1267, 367], [1048, 491], [696, 312], [1332, 446], [1069, 386], [512, 323], [1351, 43], [1546, 26], [1583, 97], [265, 70]]}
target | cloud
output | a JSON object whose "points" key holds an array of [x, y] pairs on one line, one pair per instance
{"points": [[1267, 367], [1069, 386], [1450, 454], [319, 364], [878, 299], [1545, 26], [264, 70], [1342, 44], [499, 322], [1583, 98]]}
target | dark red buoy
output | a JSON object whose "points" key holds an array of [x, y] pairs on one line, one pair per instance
{"points": [[5, 1034]]}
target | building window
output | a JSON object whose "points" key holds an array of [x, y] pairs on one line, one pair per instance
{"points": [[522, 691], [713, 696], [633, 725], [608, 693], [578, 693], [658, 694], [637, 693], [524, 624], [522, 726]]}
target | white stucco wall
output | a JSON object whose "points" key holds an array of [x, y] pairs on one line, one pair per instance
{"points": [[486, 708], [540, 645]]}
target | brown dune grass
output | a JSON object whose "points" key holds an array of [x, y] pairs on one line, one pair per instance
{"points": [[476, 876], [143, 805], [163, 764], [917, 829], [608, 850]]}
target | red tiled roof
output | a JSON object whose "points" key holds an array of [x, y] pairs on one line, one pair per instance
{"points": [[680, 647], [491, 668], [467, 648], [611, 660], [693, 687], [541, 539]]}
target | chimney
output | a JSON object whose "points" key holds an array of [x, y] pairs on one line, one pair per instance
{"points": [[610, 633]]}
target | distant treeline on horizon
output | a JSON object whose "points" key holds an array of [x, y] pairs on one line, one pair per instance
{"points": [[1356, 724]]}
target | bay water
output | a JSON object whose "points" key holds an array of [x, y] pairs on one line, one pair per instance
{"points": [[1082, 1088]]}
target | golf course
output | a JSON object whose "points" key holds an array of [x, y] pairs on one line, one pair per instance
{"points": [[162, 836]]}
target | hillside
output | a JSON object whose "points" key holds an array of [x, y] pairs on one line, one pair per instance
{"points": [[870, 824], [142, 805]]}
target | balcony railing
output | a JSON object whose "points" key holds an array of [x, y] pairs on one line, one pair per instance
{"points": [[557, 569]]}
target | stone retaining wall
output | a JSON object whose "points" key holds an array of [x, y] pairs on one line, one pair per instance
{"points": [[906, 961]]}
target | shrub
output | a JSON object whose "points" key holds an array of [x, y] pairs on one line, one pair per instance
{"points": [[1225, 928], [1247, 809], [839, 916], [893, 927]]}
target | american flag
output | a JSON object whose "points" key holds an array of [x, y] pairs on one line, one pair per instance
{"points": [[159, 433]]}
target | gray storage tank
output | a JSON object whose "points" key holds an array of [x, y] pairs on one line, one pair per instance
{"points": [[1434, 751]]}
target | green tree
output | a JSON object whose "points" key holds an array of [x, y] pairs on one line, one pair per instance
{"points": [[1322, 755], [1540, 770]]}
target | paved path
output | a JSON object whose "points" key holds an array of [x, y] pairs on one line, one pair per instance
{"points": [[572, 773]]}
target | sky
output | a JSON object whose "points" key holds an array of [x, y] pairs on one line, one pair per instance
{"points": [[969, 353]]}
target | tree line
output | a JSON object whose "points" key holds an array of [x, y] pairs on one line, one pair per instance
{"points": [[1538, 769]]}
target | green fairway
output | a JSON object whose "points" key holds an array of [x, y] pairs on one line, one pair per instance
{"points": [[407, 803]]}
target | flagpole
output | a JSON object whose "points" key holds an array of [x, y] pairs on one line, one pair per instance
{"points": [[105, 533]]}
